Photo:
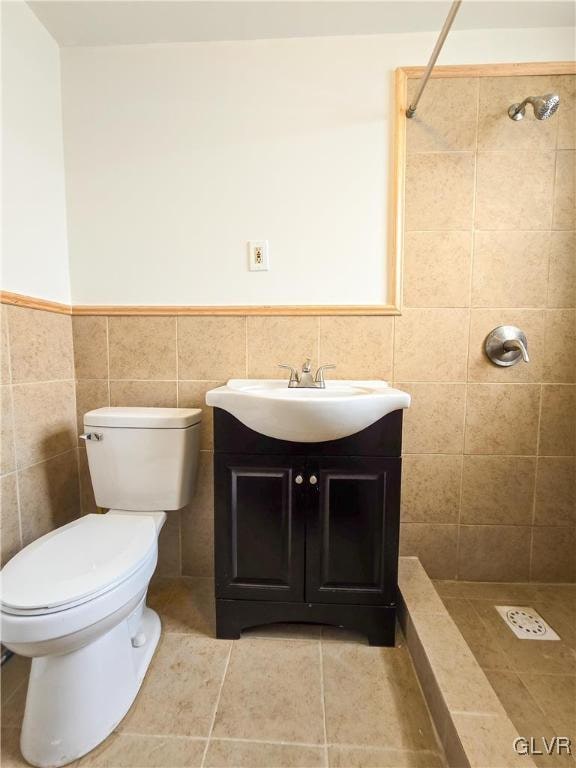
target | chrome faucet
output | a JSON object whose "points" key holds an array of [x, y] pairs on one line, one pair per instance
{"points": [[305, 380]]}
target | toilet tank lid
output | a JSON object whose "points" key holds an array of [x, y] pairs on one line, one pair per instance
{"points": [[143, 418]]}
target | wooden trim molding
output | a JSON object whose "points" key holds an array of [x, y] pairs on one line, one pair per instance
{"points": [[395, 221], [19, 300], [28, 302], [496, 70], [241, 311]]}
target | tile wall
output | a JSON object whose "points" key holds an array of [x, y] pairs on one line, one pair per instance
{"points": [[489, 468], [39, 484]]}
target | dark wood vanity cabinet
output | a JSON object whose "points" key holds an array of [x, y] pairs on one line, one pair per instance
{"points": [[307, 532]]}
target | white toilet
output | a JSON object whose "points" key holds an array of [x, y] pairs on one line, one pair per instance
{"points": [[75, 599]]}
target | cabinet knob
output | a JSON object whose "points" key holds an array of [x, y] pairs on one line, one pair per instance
{"points": [[298, 479], [313, 479]]}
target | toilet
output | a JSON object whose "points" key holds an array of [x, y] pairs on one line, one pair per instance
{"points": [[75, 599]]}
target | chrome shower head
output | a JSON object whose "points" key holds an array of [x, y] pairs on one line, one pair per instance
{"points": [[544, 107]]}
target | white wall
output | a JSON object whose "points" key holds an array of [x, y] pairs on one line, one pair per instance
{"points": [[176, 155], [34, 238]]}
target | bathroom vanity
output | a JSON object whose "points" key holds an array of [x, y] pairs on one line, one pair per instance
{"points": [[307, 531]]}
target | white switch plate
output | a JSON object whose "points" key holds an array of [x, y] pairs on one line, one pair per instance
{"points": [[258, 256]]}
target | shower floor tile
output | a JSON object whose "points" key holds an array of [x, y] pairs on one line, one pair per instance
{"points": [[535, 680]]}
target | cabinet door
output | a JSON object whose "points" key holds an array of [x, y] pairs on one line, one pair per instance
{"points": [[259, 520], [352, 530]]}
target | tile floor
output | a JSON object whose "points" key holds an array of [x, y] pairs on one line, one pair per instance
{"points": [[535, 680], [282, 696]]}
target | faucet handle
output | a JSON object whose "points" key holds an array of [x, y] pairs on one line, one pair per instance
{"points": [[319, 378], [294, 378]]}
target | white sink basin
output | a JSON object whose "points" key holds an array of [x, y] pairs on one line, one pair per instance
{"points": [[303, 415]]}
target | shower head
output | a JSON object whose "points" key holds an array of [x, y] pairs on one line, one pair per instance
{"points": [[544, 107]]}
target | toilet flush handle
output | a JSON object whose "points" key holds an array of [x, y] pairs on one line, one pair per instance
{"points": [[92, 436]]}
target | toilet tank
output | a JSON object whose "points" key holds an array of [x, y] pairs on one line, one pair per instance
{"points": [[143, 459]]}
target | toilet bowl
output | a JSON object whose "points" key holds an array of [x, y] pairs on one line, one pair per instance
{"points": [[75, 599]]}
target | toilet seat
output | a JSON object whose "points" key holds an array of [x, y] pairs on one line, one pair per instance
{"points": [[76, 563]]}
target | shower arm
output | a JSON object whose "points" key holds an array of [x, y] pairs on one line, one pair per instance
{"points": [[410, 112], [520, 107]]}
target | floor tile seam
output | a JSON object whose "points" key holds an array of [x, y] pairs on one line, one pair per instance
{"points": [[216, 705], [275, 742]]}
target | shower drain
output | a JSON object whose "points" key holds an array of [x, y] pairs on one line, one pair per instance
{"points": [[526, 623]]}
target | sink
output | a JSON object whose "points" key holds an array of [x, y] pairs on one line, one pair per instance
{"points": [[301, 415]]}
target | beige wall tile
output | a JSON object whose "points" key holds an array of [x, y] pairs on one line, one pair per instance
{"points": [[273, 340], [40, 345], [4, 346], [435, 545], [564, 191], [49, 495], [192, 394], [9, 519], [435, 128], [436, 270], [498, 490], [434, 423], [151, 394], [431, 488], [169, 563], [527, 205], [555, 491], [497, 131], [180, 690], [560, 346], [494, 553], [562, 274], [198, 523], [142, 347], [565, 86], [482, 322], [281, 678], [87, 501], [90, 336], [361, 347], [211, 347], [558, 421], [502, 418], [251, 754], [44, 420], [510, 269], [553, 554], [373, 698], [123, 750], [90, 394], [7, 455], [431, 345], [439, 191]]}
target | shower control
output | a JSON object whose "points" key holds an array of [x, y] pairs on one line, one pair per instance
{"points": [[506, 345]]}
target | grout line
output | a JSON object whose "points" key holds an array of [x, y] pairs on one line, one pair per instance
{"points": [[108, 357], [177, 364], [323, 700], [246, 362], [531, 552], [203, 763]]}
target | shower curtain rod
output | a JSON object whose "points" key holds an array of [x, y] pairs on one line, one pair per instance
{"points": [[410, 112]]}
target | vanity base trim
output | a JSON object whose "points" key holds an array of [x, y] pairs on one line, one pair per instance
{"points": [[376, 622]]}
